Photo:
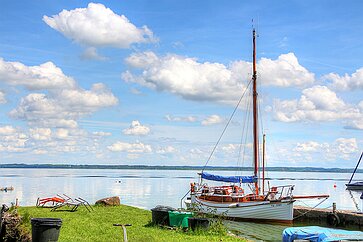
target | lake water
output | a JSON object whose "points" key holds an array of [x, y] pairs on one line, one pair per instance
{"points": [[148, 188]]}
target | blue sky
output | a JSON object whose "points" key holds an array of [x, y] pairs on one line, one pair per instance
{"points": [[154, 82]]}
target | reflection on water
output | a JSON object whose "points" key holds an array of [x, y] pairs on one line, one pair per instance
{"points": [[141, 188], [256, 231], [148, 188]]}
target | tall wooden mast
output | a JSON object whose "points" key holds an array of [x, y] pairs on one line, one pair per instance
{"points": [[255, 121]]}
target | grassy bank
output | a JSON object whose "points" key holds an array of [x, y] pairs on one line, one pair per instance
{"points": [[97, 225]]}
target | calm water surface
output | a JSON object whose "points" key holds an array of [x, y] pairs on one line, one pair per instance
{"points": [[148, 188]]}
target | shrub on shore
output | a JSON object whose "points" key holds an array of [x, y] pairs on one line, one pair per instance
{"points": [[12, 227]]}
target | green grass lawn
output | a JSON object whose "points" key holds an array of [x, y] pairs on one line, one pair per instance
{"points": [[97, 225]]}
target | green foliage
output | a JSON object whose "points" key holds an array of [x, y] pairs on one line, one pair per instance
{"points": [[98, 225], [25, 218], [217, 226]]}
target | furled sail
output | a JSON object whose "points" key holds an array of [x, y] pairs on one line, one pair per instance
{"points": [[234, 179]]}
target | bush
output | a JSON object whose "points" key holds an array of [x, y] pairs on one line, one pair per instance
{"points": [[14, 229]]}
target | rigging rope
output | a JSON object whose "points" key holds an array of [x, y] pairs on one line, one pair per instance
{"points": [[311, 209], [248, 119], [245, 123], [260, 115], [224, 130]]}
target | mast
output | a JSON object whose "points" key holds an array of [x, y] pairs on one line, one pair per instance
{"points": [[263, 163], [255, 121]]}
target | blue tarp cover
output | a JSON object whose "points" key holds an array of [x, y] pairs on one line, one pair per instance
{"points": [[234, 179], [320, 234]]}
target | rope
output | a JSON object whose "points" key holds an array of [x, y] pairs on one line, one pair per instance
{"points": [[311, 208], [245, 125], [224, 130], [248, 117], [261, 118]]}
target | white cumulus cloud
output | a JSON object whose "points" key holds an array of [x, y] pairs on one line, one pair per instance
{"points": [[346, 82], [63, 102], [310, 146], [63, 108], [62, 133], [39, 152], [137, 147], [230, 148], [2, 98], [347, 145], [97, 26], [195, 80], [317, 103], [40, 133], [136, 129], [311, 150], [52, 141], [184, 76], [91, 54], [284, 72], [7, 130], [86, 101], [356, 124], [46, 76], [12, 139], [212, 119], [166, 150], [101, 133], [189, 119]]}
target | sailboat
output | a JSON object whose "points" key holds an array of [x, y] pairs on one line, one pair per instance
{"points": [[355, 185], [232, 201]]}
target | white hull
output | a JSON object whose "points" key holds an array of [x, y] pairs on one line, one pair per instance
{"points": [[256, 210]]}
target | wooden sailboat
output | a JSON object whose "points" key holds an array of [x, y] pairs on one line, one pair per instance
{"points": [[355, 185], [231, 200]]}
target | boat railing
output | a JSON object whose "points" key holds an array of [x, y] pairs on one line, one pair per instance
{"points": [[221, 195], [280, 192], [181, 200]]}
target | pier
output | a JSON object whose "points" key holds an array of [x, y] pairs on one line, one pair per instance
{"points": [[331, 217]]}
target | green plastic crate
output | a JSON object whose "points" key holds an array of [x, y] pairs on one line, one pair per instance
{"points": [[179, 219]]}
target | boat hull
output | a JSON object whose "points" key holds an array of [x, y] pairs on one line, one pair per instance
{"points": [[279, 211], [355, 186]]}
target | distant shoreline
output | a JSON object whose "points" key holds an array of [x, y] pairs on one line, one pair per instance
{"points": [[145, 167]]}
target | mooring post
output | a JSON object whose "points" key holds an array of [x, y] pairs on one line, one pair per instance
{"points": [[361, 198], [334, 207]]}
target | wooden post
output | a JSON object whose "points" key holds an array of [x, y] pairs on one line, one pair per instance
{"points": [[334, 207]]}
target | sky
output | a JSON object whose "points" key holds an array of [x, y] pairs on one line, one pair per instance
{"points": [[156, 82]]}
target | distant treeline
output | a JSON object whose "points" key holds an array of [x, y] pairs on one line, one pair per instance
{"points": [[145, 167]]}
